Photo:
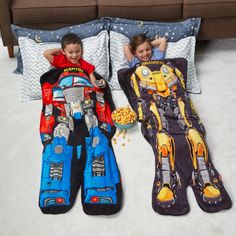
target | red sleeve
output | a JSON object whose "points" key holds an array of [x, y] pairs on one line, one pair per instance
{"points": [[87, 66], [58, 60]]}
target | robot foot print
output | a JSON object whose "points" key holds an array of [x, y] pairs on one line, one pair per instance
{"points": [[54, 202], [103, 201], [211, 195], [165, 198]]}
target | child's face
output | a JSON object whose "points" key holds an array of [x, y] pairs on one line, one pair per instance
{"points": [[144, 51], [73, 52]]}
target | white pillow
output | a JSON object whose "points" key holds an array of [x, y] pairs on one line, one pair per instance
{"points": [[117, 57], [186, 48], [95, 52], [183, 48]]}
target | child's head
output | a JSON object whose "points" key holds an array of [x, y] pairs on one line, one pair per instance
{"points": [[72, 47], [141, 47]]}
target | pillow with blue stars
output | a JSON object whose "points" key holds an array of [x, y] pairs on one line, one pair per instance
{"points": [[172, 31]]}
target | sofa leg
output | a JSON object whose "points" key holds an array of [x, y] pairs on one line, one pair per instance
{"points": [[10, 51]]}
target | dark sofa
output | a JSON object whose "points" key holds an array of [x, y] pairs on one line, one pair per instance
{"points": [[218, 16]]}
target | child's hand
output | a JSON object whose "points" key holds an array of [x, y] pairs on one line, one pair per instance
{"points": [[161, 43], [128, 52], [100, 83]]}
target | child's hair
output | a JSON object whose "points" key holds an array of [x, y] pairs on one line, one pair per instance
{"points": [[138, 40], [70, 39]]}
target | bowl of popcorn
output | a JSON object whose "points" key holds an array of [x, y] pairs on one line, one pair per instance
{"points": [[124, 118]]}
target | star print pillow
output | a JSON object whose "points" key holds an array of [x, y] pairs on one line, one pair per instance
{"points": [[173, 31]]}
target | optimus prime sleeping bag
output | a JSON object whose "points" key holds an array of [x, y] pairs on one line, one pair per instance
{"points": [[76, 129], [156, 91]]}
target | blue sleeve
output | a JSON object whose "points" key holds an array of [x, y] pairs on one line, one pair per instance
{"points": [[157, 54], [133, 62]]}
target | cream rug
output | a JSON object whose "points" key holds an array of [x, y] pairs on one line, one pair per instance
{"points": [[21, 150]]}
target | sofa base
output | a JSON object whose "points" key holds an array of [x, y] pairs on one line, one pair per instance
{"points": [[217, 28], [10, 51]]}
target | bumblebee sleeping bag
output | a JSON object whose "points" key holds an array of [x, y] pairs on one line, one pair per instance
{"points": [[156, 91]]}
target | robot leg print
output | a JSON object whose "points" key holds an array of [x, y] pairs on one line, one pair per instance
{"points": [[55, 184], [55, 189], [166, 179], [156, 91], [101, 188], [76, 128]]}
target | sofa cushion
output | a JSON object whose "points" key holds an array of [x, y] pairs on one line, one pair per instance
{"points": [[209, 8], [53, 11], [140, 9]]}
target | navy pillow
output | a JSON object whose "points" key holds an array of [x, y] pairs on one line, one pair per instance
{"points": [[85, 30], [173, 31]]}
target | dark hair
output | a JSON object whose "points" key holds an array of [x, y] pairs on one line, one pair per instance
{"points": [[138, 40], [70, 39]]}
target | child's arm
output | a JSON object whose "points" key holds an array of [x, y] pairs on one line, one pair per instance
{"points": [[48, 54], [128, 53], [161, 43]]}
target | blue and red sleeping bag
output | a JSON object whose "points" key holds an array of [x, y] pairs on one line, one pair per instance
{"points": [[76, 130]]}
